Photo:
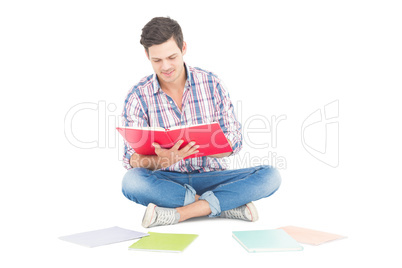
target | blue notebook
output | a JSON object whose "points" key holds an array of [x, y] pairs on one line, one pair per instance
{"points": [[266, 240]]}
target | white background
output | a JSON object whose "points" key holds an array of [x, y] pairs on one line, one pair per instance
{"points": [[276, 58]]}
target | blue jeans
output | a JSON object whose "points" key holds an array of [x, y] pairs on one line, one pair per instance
{"points": [[223, 190]]}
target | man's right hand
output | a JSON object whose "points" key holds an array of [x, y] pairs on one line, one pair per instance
{"points": [[173, 155]]}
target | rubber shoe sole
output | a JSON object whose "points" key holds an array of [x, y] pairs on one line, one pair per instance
{"points": [[149, 215], [253, 211]]}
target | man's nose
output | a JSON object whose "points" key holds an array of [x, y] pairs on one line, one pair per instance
{"points": [[165, 65]]}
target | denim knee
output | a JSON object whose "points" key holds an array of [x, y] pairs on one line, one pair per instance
{"points": [[134, 184], [143, 186], [270, 179]]}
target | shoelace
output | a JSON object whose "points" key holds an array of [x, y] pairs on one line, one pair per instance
{"points": [[236, 213], [165, 216]]}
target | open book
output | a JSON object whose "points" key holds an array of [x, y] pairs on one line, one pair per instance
{"points": [[209, 137]]}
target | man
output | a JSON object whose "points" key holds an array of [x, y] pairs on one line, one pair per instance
{"points": [[174, 189]]}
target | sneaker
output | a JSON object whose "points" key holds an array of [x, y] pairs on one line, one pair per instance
{"points": [[157, 216], [247, 212]]}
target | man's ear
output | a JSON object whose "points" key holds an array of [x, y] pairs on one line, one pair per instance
{"points": [[184, 49], [146, 53]]}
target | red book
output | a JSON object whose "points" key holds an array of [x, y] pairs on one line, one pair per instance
{"points": [[209, 137]]}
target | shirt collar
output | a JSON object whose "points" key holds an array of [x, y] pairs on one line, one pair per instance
{"points": [[157, 87]]}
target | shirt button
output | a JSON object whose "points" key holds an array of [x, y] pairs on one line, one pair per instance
{"points": [[170, 102]]}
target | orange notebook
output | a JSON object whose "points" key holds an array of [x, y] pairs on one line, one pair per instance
{"points": [[309, 236], [209, 137]]}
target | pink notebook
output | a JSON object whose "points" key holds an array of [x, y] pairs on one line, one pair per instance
{"points": [[309, 236]]}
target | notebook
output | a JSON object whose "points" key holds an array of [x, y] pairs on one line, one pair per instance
{"points": [[209, 137], [266, 240], [164, 242], [103, 237], [309, 236]]}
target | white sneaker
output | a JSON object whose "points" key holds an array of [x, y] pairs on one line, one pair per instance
{"points": [[156, 216], [247, 212]]}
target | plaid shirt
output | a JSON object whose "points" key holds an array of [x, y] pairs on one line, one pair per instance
{"points": [[205, 100]]}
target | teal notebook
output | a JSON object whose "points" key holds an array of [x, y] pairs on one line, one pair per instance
{"points": [[164, 242], [266, 240]]}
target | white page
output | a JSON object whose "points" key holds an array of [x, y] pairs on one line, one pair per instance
{"points": [[103, 237]]}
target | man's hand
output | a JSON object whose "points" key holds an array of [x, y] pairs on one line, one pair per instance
{"points": [[173, 155]]}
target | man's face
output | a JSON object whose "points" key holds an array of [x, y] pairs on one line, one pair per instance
{"points": [[167, 61]]}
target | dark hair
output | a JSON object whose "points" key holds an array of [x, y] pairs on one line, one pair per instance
{"points": [[159, 30]]}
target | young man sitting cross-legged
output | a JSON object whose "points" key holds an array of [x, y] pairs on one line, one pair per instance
{"points": [[174, 189]]}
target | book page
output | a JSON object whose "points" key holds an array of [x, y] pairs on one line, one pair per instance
{"points": [[146, 128], [194, 125]]}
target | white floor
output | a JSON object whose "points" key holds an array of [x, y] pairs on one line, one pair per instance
{"points": [[371, 236]]}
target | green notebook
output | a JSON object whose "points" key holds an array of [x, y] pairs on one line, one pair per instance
{"points": [[266, 240], [164, 242]]}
